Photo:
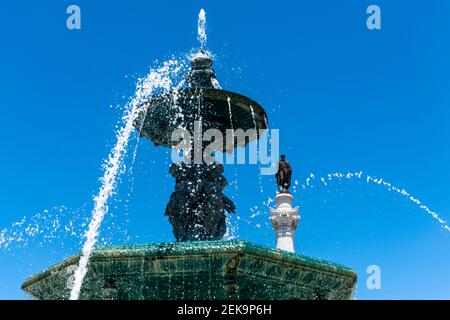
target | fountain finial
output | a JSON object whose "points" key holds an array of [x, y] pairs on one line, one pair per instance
{"points": [[201, 74]]}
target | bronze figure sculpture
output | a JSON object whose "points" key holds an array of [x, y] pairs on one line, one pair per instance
{"points": [[283, 175]]}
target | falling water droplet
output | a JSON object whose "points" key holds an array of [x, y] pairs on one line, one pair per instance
{"points": [[381, 182]]}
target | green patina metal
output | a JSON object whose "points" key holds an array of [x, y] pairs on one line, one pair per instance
{"points": [[197, 270]]}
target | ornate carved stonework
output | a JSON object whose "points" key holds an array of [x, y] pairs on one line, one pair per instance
{"points": [[284, 220], [197, 270]]}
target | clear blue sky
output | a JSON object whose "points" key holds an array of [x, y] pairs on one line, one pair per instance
{"points": [[344, 98]]}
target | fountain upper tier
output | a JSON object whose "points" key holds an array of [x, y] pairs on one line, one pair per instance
{"points": [[167, 112]]}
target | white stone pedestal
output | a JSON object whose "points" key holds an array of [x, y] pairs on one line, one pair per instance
{"points": [[284, 220]]}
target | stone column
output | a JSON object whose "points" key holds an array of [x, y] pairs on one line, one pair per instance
{"points": [[284, 220]]}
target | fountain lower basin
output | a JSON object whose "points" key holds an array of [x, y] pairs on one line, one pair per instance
{"points": [[196, 271]]}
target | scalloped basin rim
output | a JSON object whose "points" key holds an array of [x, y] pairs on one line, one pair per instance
{"points": [[246, 113], [199, 248]]}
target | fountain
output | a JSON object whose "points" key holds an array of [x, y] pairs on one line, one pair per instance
{"points": [[196, 207], [199, 265]]}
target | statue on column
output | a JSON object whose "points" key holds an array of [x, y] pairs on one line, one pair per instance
{"points": [[284, 217], [283, 175]]}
